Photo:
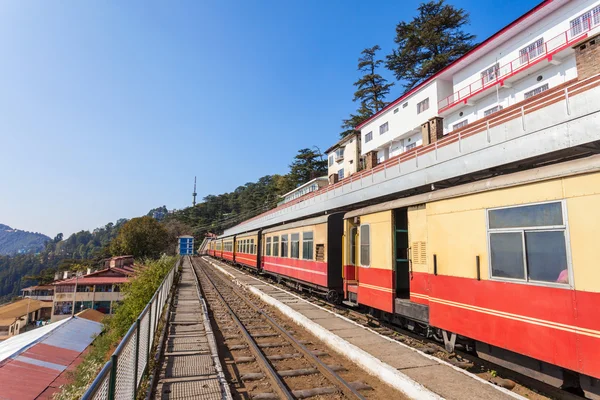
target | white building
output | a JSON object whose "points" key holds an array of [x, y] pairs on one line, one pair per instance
{"points": [[527, 96], [310, 186], [545, 49], [344, 158]]}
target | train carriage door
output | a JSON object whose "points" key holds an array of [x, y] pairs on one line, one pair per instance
{"points": [[400, 247]]}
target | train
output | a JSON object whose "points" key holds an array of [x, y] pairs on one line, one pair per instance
{"points": [[505, 266]]}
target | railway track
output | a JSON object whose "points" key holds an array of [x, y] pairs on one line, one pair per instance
{"points": [[267, 360], [526, 386]]}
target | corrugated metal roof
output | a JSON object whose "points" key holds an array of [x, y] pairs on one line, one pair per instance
{"points": [[31, 362]]}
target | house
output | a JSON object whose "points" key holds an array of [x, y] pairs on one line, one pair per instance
{"points": [[99, 290], [310, 186], [344, 158], [15, 316], [545, 49]]}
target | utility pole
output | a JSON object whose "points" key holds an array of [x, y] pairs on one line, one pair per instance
{"points": [[194, 194]]}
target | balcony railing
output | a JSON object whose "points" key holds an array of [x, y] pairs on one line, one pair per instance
{"points": [[535, 55]]}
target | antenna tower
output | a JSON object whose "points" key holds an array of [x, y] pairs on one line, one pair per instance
{"points": [[194, 194]]}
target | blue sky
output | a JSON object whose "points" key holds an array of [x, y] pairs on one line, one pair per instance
{"points": [[109, 108]]}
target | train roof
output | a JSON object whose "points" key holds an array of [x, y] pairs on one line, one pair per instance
{"points": [[305, 222], [568, 168]]}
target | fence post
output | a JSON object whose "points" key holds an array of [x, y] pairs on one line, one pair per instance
{"points": [[149, 333], [137, 356], [113, 378]]}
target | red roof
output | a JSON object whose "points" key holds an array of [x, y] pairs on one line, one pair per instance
{"points": [[468, 53], [36, 368]]}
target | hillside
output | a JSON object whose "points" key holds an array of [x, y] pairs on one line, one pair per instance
{"points": [[15, 241]]}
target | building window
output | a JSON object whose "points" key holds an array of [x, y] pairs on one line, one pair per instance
{"points": [[368, 137], [528, 243], [63, 307], [405, 105], [490, 74], [460, 124], [396, 110], [411, 146], [295, 245], [103, 289], [102, 306], [531, 51], [339, 153], [275, 246], [492, 110], [422, 106], [85, 288], [284, 245], [331, 160], [307, 245], [585, 21], [341, 174], [383, 128], [268, 247], [65, 288], [82, 305], [537, 90], [365, 245]]}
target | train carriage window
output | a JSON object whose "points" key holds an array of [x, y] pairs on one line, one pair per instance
{"points": [[529, 243], [268, 247], [307, 245], [275, 246], [365, 245], [295, 245], [284, 245], [252, 247]]}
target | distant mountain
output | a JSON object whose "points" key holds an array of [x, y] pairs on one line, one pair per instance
{"points": [[15, 241]]}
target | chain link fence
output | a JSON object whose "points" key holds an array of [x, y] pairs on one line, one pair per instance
{"points": [[122, 374]]}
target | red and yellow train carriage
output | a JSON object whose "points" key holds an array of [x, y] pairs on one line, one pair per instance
{"points": [[509, 263], [247, 247], [228, 250], [307, 252]]}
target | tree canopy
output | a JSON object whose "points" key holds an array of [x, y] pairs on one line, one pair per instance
{"points": [[431, 41], [371, 89], [307, 165], [142, 237]]}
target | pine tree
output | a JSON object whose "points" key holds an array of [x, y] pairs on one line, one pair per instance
{"points": [[371, 90], [428, 43], [307, 165]]}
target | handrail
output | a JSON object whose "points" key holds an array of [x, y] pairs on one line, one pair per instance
{"points": [[557, 43], [133, 352]]}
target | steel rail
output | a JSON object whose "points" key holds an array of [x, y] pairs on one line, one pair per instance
{"points": [[280, 386], [335, 378]]}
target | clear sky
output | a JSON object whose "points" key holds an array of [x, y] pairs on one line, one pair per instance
{"points": [[109, 108]]}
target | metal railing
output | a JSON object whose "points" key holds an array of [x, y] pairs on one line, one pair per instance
{"points": [[121, 375], [537, 53]]}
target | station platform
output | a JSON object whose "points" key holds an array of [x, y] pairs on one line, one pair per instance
{"points": [[190, 365], [409, 370]]}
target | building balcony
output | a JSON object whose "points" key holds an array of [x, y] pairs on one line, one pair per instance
{"points": [[561, 122], [536, 58]]}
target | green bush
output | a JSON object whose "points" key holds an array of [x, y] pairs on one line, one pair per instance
{"points": [[138, 293]]}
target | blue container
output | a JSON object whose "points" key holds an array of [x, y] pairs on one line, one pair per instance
{"points": [[186, 245]]}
